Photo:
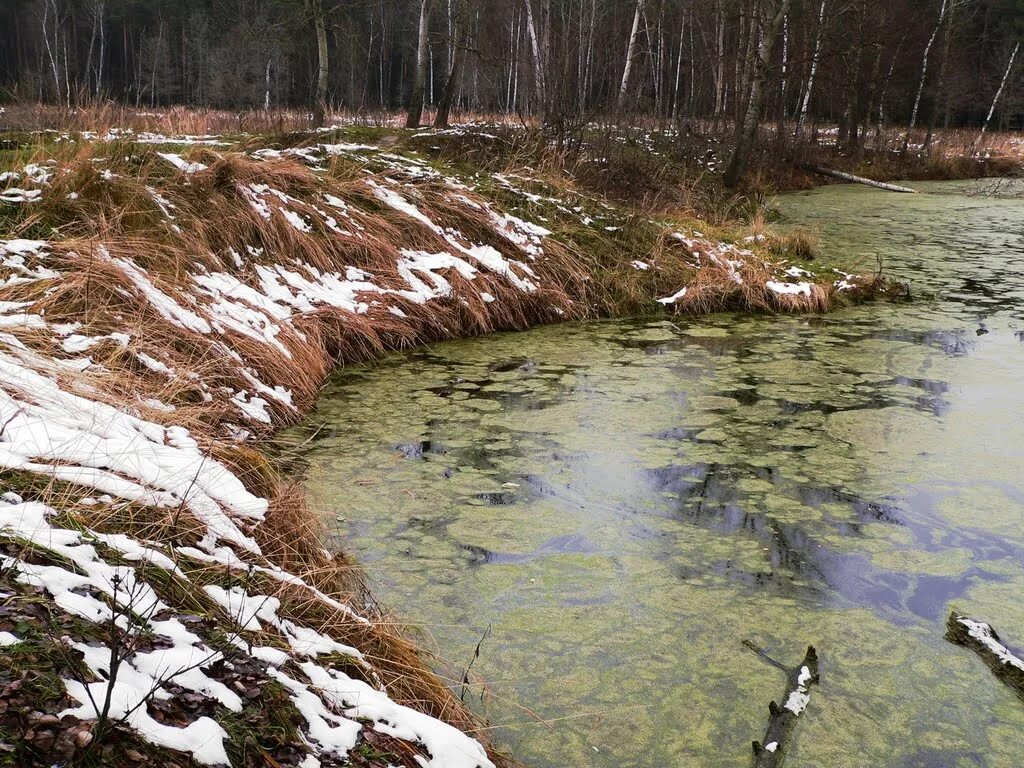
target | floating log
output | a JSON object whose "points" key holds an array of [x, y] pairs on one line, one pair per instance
{"points": [[983, 640], [841, 175], [782, 720]]}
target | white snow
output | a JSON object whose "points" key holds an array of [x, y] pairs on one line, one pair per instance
{"points": [[181, 164], [789, 289], [674, 297], [984, 634], [16, 195], [71, 438], [161, 302], [799, 698]]}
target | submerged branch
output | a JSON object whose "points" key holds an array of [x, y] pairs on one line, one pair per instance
{"points": [[782, 720], [983, 640]]}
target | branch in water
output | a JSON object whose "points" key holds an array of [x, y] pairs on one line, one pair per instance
{"points": [[782, 720], [842, 176], [983, 640]]}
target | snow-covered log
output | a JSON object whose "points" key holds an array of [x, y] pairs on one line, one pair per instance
{"points": [[859, 179], [782, 720], [983, 640]]}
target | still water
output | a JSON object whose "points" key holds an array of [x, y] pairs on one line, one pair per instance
{"points": [[616, 507]]}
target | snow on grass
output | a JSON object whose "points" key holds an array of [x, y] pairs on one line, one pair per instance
{"points": [[789, 289], [160, 301], [203, 738], [488, 256], [668, 300], [54, 428], [181, 164], [17, 195], [71, 438]]}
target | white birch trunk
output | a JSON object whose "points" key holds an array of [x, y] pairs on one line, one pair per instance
{"points": [[802, 119], [630, 52], [999, 93], [49, 50], [420, 73], [538, 61], [679, 73], [924, 74], [266, 88]]}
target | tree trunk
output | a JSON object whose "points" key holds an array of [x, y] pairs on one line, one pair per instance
{"points": [[320, 24], [99, 59], [752, 120], [782, 720], [538, 60], [719, 62], [630, 52], [444, 106], [679, 73], [266, 90], [420, 74], [842, 176], [49, 49], [782, 86], [924, 75], [805, 105], [885, 88], [940, 88], [1002, 85], [983, 640]]}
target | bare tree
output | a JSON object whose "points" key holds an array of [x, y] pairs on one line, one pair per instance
{"points": [[924, 74], [999, 92], [460, 44], [630, 52], [316, 9], [420, 71], [535, 50], [776, 11], [815, 58]]}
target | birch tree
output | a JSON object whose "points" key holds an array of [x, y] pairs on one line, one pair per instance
{"points": [[535, 52], [316, 10], [420, 69], [999, 92], [815, 58], [630, 52], [774, 11], [460, 30], [924, 74]]}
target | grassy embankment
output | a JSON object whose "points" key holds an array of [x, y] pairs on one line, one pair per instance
{"points": [[153, 286]]}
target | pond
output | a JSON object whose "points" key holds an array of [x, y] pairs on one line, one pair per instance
{"points": [[609, 510]]}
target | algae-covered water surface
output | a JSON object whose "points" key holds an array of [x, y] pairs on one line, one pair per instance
{"points": [[614, 508]]}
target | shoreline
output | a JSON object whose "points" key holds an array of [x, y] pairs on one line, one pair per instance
{"points": [[190, 304]]}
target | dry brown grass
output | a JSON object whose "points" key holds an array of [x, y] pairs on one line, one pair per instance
{"points": [[195, 121]]}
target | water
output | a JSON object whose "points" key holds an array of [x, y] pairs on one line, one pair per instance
{"points": [[615, 507]]}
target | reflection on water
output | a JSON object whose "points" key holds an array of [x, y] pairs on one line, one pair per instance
{"points": [[625, 503]]}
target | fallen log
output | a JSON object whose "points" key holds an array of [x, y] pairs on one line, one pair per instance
{"points": [[983, 640], [843, 176], [782, 720]]}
